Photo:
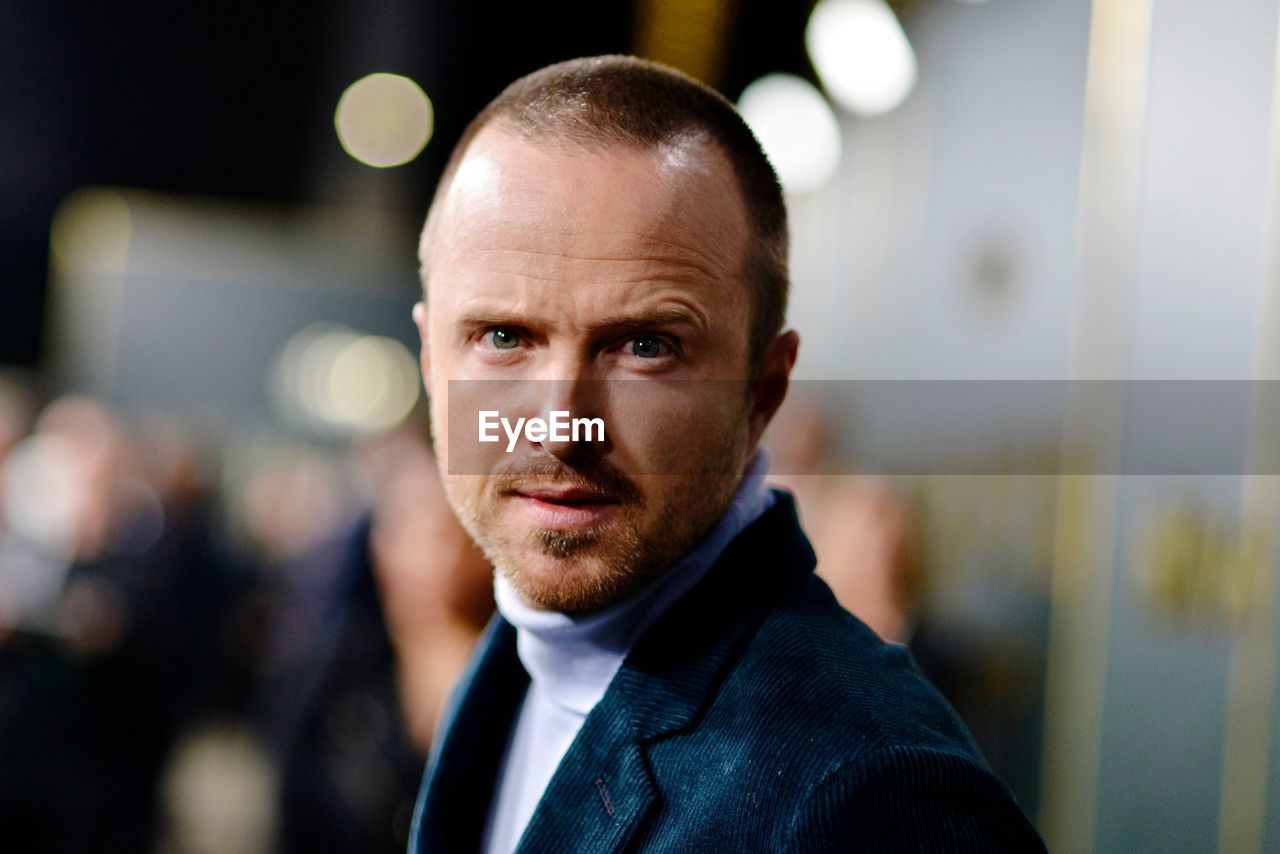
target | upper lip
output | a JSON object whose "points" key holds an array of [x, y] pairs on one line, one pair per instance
{"points": [[566, 495]]}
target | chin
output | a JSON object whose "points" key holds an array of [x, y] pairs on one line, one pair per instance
{"points": [[567, 584]]}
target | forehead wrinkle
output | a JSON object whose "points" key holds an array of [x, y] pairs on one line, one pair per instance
{"points": [[664, 239], [547, 266], [530, 224], [538, 218], [636, 254]]}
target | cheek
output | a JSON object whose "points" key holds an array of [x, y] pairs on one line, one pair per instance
{"points": [[676, 428], [468, 499]]}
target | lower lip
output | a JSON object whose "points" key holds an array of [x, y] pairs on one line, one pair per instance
{"points": [[548, 514]]}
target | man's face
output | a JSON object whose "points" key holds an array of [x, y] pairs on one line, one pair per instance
{"points": [[593, 281]]}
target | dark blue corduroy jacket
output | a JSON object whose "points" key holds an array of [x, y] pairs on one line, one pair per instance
{"points": [[755, 715]]}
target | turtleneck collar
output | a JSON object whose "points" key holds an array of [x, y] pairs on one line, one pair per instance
{"points": [[572, 658]]}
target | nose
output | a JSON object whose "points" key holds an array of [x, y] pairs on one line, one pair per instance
{"points": [[569, 396]]}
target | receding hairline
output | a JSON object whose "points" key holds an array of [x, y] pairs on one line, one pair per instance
{"points": [[694, 151]]}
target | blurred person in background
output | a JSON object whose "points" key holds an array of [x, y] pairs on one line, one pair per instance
{"points": [[375, 612], [860, 526], [114, 593], [434, 583], [18, 408]]}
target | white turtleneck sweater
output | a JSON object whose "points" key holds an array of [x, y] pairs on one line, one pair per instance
{"points": [[571, 659]]}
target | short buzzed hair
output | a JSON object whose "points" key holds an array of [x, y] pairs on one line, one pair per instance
{"points": [[623, 100]]}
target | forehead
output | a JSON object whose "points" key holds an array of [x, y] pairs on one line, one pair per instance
{"points": [[673, 205]]}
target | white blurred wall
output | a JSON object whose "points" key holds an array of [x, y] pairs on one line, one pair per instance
{"points": [[1009, 222]]}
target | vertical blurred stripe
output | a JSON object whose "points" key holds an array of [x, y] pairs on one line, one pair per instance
{"points": [[1085, 549], [1251, 686], [690, 35]]}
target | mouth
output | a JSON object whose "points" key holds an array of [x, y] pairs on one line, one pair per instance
{"points": [[565, 508]]}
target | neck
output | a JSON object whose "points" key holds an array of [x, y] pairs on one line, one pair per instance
{"points": [[573, 657]]}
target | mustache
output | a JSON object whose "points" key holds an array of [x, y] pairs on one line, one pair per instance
{"points": [[597, 476]]}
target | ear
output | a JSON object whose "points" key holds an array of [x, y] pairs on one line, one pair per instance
{"points": [[424, 360], [770, 387]]}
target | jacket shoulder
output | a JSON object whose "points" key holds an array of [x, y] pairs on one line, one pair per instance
{"points": [[821, 736], [910, 797], [832, 679], [882, 760]]}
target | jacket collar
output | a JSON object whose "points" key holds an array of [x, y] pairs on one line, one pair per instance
{"points": [[677, 665], [603, 788]]}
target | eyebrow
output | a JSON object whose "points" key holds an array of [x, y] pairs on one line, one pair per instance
{"points": [[671, 315]]}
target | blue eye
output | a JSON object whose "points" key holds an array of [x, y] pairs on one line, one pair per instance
{"points": [[646, 347], [504, 339]]}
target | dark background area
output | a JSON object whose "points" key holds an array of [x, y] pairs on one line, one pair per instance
{"points": [[237, 100]]}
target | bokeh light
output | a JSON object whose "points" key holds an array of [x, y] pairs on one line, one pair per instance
{"points": [[797, 128], [43, 493], [331, 379], [91, 230], [384, 120], [861, 54]]}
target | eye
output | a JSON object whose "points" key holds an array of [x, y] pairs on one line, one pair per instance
{"points": [[647, 347], [503, 338]]}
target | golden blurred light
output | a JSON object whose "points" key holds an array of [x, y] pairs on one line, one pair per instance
{"points": [[861, 54], [690, 35], [372, 384], [797, 129], [90, 232], [384, 120], [333, 379]]}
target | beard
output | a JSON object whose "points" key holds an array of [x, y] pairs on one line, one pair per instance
{"points": [[587, 569]]}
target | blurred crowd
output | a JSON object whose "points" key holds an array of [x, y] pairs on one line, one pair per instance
{"points": [[213, 646], [231, 643]]}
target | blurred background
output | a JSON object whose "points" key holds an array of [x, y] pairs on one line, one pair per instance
{"points": [[231, 596]]}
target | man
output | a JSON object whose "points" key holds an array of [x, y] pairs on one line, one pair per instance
{"points": [[609, 240]]}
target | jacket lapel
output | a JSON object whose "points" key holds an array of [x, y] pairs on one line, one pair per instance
{"points": [[601, 791], [454, 803], [599, 796]]}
